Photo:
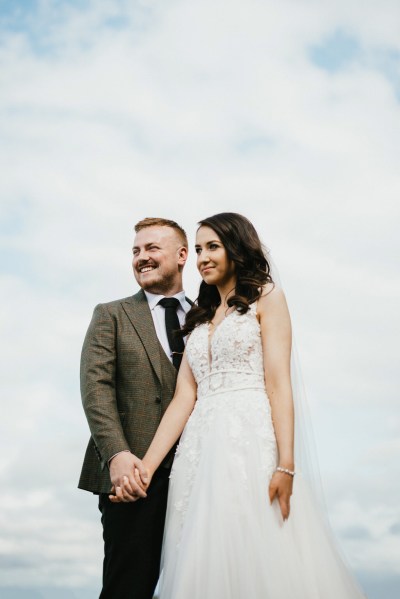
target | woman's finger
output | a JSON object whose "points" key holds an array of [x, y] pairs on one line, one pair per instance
{"points": [[284, 504], [272, 492], [144, 475]]}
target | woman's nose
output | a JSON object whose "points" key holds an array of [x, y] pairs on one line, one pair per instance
{"points": [[203, 256]]}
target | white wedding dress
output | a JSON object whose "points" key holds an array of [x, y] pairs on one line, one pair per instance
{"points": [[223, 539]]}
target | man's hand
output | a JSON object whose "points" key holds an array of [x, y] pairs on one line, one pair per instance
{"points": [[281, 487], [129, 478]]}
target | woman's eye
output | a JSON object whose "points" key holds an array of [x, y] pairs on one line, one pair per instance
{"points": [[213, 246]]}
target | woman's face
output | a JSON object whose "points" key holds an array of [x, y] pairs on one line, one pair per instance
{"points": [[213, 262]]}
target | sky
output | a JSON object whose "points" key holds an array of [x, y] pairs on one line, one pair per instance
{"points": [[110, 111]]}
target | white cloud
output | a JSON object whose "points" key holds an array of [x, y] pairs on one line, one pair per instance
{"points": [[184, 109]]}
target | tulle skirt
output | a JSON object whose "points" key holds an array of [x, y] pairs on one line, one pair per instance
{"points": [[223, 539]]}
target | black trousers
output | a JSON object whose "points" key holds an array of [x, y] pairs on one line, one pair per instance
{"points": [[132, 534]]}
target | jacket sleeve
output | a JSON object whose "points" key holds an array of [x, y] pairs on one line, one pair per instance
{"points": [[98, 385]]}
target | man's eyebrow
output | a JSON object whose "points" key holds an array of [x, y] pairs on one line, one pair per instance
{"points": [[136, 247]]}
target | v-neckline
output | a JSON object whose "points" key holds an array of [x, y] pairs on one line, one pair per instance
{"points": [[211, 337]]}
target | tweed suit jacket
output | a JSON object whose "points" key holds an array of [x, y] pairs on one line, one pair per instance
{"points": [[127, 382]]}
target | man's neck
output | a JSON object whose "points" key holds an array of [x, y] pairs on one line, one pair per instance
{"points": [[168, 292]]}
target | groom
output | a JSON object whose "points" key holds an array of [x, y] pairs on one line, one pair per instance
{"points": [[128, 375]]}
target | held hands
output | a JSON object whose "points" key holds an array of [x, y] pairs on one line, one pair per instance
{"points": [[130, 478], [281, 487]]}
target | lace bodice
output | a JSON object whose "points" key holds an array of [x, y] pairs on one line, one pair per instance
{"points": [[231, 358]]}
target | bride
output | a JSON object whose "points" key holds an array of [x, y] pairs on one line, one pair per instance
{"points": [[241, 522]]}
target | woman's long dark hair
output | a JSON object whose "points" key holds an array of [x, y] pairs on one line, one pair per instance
{"points": [[244, 248]]}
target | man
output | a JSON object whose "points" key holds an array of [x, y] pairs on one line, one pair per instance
{"points": [[128, 375]]}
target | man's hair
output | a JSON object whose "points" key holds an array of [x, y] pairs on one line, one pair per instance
{"points": [[162, 222]]}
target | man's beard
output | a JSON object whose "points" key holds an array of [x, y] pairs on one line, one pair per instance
{"points": [[159, 286]]}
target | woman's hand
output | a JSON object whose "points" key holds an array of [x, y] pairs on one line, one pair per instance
{"points": [[281, 487]]}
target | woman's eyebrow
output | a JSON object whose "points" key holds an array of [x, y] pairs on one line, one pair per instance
{"points": [[197, 245]]}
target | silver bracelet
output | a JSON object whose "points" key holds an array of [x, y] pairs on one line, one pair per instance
{"points": [[285, 470]]}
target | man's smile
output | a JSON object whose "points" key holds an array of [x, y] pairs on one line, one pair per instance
{"points": [[146, 268]]}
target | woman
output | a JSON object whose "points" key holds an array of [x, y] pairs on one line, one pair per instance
{"points": [[228, 533]]}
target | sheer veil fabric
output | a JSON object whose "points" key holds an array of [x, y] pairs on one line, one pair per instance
{"points": [[306, 457]]}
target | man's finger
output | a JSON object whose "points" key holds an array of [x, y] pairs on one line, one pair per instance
{"points": [[124, 498], [120, 495], [128, 493], [136, 489], [114, 499], [126, 485]]}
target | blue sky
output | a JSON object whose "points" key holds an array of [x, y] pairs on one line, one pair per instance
{"points": [[342, 50], [111, 111]]}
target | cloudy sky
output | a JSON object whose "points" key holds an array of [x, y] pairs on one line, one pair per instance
{"points": [[110, 111]]}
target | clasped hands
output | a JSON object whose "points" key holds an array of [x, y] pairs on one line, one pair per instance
{"points": [[130, 478]]}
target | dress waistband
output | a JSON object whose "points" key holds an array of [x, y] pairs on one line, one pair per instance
{"points": [[228, 371], [232, 390]]}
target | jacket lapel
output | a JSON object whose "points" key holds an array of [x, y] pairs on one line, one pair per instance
{"points": [[138, 311]]}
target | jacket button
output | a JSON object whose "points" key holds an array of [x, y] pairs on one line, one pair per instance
{"points": [[158, 399]]}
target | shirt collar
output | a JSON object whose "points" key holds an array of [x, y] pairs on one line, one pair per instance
{"points": [[153, 299]]}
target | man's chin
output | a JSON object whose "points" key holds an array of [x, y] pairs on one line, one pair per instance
{"points": [[151, 284], [147, 283]]}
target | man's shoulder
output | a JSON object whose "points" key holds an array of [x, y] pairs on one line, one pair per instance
{"points": [[116, 304]]}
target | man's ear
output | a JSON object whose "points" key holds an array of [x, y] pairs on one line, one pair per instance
{"points": [[182, 255]]}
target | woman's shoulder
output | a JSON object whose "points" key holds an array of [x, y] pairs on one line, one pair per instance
{"points": [[272, 296]]}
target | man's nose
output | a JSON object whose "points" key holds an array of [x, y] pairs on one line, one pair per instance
{"points": [[142, 255]]}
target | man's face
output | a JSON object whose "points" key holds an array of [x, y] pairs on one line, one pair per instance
{"points": [[158, 258]]}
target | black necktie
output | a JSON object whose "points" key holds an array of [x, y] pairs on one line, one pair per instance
{"points": [[172, 325]]}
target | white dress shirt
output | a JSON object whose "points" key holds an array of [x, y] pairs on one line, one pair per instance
{"points": [[158, 315]]}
